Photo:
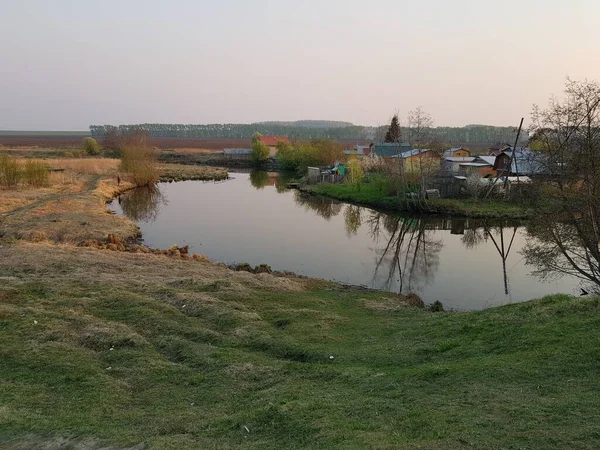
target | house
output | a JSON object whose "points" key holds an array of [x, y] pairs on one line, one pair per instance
{"points": [[524, 162], [271, 142], [389, 149], [451, 164], [417, 160], [359, 150], [498, 148], [457, 152], [482, 165]]}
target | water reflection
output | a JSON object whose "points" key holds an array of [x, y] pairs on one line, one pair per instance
{"points": [[410, 256], [142, 204], [570, 248], [253, 217]]}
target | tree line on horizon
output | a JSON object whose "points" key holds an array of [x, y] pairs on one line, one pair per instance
{"points": [[470, 134]]}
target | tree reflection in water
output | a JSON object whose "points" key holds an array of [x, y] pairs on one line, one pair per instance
{"points": [[323, 206], [410, 256], [482, 231], [569, 248], [142, 203]]}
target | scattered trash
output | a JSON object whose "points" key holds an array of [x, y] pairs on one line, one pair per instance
{"points": [[192, 404], [246, 428], [184, 306], [111, 349], [108, 368], [332, 357], [35, 322]]}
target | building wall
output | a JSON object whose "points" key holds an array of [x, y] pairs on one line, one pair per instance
{"points": [[462, 152], [428, 162]]}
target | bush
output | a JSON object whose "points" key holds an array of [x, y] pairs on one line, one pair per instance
{"points": [[10, 172], [260, 152], [141, 164], [90, 146], [302, 154], [355, 172], [36, 173], [69, 155]]}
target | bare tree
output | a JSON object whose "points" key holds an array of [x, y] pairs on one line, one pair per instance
{"points": [[567, 137]]}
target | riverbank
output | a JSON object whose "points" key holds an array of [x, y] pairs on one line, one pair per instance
{"points": [[369, 195], [107, 348]]}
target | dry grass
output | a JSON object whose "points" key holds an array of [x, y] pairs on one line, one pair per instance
{"points": [[177, 172], [89, 166]]}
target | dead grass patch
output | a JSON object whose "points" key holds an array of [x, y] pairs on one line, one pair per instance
{"points": [[88, 166], [386, 303]]}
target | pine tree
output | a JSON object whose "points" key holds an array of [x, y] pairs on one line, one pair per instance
{"points": [[393, 132]]}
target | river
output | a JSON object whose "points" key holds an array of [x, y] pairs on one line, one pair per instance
{"points": [[466, 264]]}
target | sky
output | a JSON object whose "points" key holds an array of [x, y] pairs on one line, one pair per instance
{"points": [[65, 65]]}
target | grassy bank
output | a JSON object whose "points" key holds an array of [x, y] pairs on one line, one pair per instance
{"points": [[122, 349], [370, 195]]}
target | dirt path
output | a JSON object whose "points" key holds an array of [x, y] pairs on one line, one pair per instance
{"points": [[90, 185]]}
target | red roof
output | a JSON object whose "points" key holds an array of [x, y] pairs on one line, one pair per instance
{"points": [[272, 141]]}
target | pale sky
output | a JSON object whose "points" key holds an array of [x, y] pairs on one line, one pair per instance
{"points": [[67, 64]]}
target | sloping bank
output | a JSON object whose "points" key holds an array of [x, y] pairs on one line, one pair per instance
{"points": [[110, 349], [369, 195]]}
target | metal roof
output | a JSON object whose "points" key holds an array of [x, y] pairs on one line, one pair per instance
{"points": [[489, 160], [460, 158]]}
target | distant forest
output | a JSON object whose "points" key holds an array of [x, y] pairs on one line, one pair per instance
{"points": [[314, 129]]}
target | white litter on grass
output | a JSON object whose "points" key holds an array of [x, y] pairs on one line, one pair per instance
{"points": [[246, 428], [108, 368], [184, 306], [35, 322], [332, 357], [111, 349]]}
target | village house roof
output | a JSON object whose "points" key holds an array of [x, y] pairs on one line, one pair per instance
{"points": [[460, 159], [409, 153], [387, 149], [272, 141], [489, 160]]}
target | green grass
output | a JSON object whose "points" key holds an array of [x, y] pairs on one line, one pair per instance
{"points": [[251, 368], [370, 195]]}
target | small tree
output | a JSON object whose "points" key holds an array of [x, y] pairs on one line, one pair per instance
{"points": [[141, 164], [90, 146], [260, 152], [475, 187], [355, 172], [393, 133]]}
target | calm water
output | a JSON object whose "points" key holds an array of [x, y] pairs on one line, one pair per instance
{"points": [[466, 264]]}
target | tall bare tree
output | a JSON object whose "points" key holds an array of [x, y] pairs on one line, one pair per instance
{"points": [[567, 137]]}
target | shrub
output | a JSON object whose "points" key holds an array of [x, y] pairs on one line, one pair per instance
{"points": [[300, 155], [90, 146], [355, 172], [69, 155], [10, 172], [260, 152], [36, 173], [141, 164]]}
